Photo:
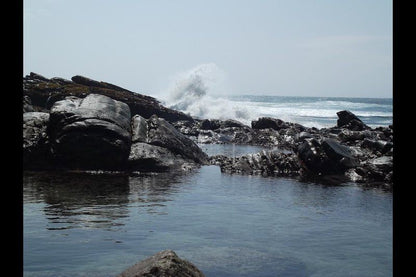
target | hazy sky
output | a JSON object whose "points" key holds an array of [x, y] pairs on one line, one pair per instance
{"points": [[291, 47]]}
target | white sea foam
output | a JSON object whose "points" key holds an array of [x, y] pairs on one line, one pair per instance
{"points": [[192, 92]]}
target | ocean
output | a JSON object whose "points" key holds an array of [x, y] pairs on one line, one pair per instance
{"points": [[318, 112], [202, 92]]}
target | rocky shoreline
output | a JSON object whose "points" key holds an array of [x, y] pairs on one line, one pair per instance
{"points": [[83, 124]]}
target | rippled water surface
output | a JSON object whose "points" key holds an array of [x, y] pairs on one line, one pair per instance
{"points": [[78, 224]]}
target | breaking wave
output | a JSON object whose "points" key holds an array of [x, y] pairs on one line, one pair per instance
{"points": [[201, 92]]}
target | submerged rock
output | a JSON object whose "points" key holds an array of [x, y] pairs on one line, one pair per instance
{"points": [[163, 264]]}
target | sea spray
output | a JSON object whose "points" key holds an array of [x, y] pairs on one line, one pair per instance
{"points": [[201, 92]]}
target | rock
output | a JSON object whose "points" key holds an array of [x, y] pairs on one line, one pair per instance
{"points": [[163, 264], [381, 146], [328, 157], [353, 137], [27, 104], [45, 92], [188, 128], [158, 146], [36, 147], [151, 158], [265, 163], [377, 171], [340, 154], [268, 122], [347, 119], [162, 133], [139, 129], [210, 124], [91, 132]]}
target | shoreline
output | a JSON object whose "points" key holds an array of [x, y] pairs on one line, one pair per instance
{"points": [[140, 134]]}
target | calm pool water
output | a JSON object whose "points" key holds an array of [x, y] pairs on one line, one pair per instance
{"points": [[78, 224]]}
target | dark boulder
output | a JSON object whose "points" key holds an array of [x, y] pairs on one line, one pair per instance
{"points": [[340, 154], [347, 119], [163, 264], [210, 124], [275, 123], [214, 124], [90, 133], [326, 157], [268, 122]]}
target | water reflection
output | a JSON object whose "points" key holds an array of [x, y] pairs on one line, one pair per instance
{"points": [[151, 191], [86, 200]]}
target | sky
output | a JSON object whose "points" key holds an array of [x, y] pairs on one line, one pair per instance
{"points": [[290, 48]]}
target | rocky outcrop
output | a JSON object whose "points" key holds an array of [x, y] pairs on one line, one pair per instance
{"points": [[90, 133], [44, 92], [87, 124], [98, 132], [163, 264]]}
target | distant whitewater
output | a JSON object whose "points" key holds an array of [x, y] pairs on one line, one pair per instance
{"points": [[196, 93]]}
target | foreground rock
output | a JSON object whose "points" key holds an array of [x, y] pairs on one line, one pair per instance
{"points": [[163, 264], [98, 133], [90, 133]]}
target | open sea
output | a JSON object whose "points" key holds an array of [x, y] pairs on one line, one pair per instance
{"points": [[88, 224], [316, 112]]}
